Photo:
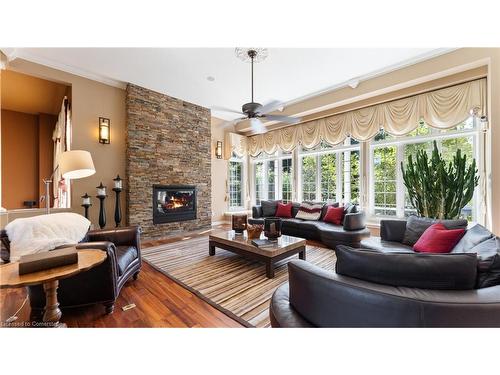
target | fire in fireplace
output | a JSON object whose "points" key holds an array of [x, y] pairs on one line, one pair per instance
{"points": [[173, 203]]}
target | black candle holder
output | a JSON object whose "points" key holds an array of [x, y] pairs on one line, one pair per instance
{"points": [[102, 209], [86, 205], [117, 189]]}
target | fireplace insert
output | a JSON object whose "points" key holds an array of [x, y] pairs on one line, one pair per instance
{"points": [[173, 203]]}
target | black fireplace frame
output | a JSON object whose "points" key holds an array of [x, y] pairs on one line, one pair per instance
{"points": [[173, 216]]}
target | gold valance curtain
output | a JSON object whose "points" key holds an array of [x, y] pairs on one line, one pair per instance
{"points": [[442, 109], [234, 143]]}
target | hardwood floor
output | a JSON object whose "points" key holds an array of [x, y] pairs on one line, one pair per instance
{"points": [[160, 302]]}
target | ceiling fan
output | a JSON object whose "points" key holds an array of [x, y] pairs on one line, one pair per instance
{"points": [[255, 111]]}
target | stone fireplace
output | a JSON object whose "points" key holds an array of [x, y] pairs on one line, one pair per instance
{"points": [[173, 203], [168, 156]]}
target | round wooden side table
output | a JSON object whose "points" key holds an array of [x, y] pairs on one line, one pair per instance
{"points": [[10, 278]]}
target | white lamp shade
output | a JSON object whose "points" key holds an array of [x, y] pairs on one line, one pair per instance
{"points": [[76, 164]]}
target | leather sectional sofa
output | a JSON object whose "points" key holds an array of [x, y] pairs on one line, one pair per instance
{"points": [[350, 233], [314, 297]]}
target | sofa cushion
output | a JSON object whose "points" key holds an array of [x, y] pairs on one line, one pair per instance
{"points": [[378, 244], [474, 236], [334, 215], [416, 226], [295, 208], [309, 211], [269, 208], [284, 210], [124, 256], [438, 239], [426, 271], [299, 224]]}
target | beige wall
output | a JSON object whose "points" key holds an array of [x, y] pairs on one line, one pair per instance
{"points": [[19, 158], [219, 175], [91, 100]]}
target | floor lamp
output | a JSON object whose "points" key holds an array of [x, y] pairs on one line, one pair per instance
{"points": [[73, 165]]}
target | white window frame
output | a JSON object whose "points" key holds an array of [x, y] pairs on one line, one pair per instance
{"points": [[278, 158], [400, 142], [235, 159], [339, 151]]}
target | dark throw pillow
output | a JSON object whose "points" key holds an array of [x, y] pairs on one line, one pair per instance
{"points": [[269, 208], [416, 226], [425, 271]]}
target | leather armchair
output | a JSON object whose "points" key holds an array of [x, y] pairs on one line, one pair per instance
{"points": [[315, 297], [101, 284]]}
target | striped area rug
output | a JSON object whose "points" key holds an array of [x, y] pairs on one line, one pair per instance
{"points": [[232, 284]]}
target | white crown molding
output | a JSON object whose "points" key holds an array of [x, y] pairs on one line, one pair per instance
{"points": [[13, 53]]}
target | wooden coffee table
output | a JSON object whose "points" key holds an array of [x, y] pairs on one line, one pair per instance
{"points": [[285, 247], [10, 278]]}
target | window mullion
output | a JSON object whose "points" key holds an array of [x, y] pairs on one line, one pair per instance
{"points": [[400, 187], [318, 178], [340, 180]]}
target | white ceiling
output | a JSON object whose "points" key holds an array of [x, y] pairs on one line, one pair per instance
{"points": [[287, 74]]}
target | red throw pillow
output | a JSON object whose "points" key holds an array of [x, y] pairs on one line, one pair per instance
{"points": [[438, 239], [284, 210], [334, 215]]}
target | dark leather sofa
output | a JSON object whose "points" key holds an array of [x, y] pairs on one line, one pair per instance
{"points": [[314, 297], [350, 233], [101, 284]]}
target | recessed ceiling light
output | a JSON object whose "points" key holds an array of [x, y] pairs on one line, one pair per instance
{"points": [[210, 78]]}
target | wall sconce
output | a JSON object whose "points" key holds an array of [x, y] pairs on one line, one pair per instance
{"points": [[218, 150], [104, 130]]}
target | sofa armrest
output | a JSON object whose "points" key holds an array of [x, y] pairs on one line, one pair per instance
{"points": [[126, 236], [106, 246], [354, 221], [256, 212], [392, 230]]}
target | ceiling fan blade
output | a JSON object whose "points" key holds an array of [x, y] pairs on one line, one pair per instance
{"points": [[228, 124], [270, 107], [287, 119], [224, 109], [257, 125]]}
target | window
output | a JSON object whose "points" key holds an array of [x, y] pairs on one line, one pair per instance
{"points": [[388, 195], [259, 181], [235, 182], [272, 177], [309, 176], [331, 173], [384, 176], [286, 180]]}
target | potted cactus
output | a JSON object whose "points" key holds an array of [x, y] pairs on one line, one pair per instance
{"points": [[438, 189]]}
